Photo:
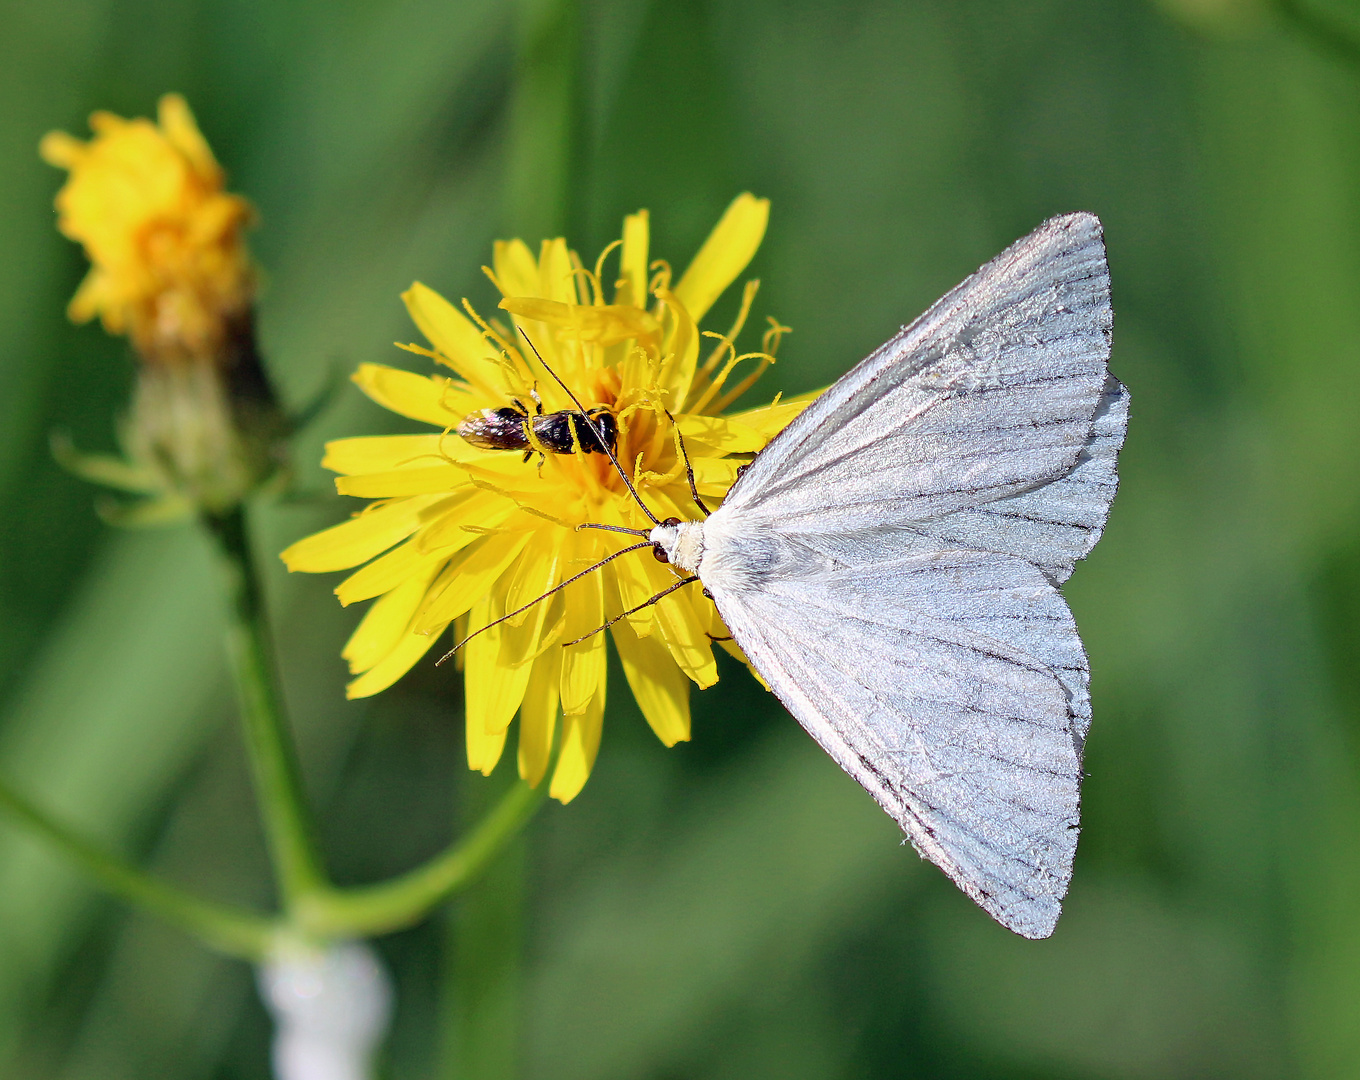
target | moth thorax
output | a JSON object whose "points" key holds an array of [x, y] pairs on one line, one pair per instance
{"points": [[682, 542]]}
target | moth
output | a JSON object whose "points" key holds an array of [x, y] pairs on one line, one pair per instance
{"points": [[890, 564]]}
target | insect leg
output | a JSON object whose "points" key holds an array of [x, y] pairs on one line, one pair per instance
{"points": [[632, 610], [689, 469]]}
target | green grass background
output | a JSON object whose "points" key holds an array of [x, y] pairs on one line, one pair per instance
{"points": [[734, 907]]}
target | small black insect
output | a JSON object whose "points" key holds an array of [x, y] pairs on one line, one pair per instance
{"points": [[559, 432]]}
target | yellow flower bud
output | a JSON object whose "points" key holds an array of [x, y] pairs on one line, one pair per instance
{"points": [[169, 265], [170, 269]]}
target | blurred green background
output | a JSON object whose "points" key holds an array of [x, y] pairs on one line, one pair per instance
{"points": [[734, 907]]}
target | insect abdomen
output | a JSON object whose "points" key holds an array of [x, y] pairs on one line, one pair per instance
{"points": [[555, 430]]}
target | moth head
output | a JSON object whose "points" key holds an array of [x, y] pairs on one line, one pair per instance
{"points": [[680, 543]]}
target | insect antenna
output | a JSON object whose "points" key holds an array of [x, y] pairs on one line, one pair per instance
{"points": [[556, 588], [632, 610], [613, 528], [689, 469], [597, 432]]}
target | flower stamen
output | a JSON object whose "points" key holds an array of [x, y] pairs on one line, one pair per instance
{"points": [[599, 267], [748, 296], [766, 359], [599, 434]]}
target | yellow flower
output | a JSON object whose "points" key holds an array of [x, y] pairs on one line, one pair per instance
{"points": [[169, 264], [470, 534], [169, 268]]}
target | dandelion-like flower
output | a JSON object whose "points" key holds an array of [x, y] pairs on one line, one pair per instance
{"points": [[463, 534], [169, 265], [170, 269]]}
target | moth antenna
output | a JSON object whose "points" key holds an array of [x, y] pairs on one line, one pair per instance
{"points": [[597, 432], [632, 610], [613, 528], [689, 469], [556, 588]]}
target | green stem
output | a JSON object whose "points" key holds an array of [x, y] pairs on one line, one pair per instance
{"points": [[403, 901], [484, 960], [233, 931], [273, 757]]}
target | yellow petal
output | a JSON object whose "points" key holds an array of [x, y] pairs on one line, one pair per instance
{"points": [[468, 578], [556, 279], [712, 620], [515, 268], [485, 749], [713, 476], [598, 324], [537, 572], [634, 580], [632, 285], [719, 435], [466, 517], [684, 634], [435, 400], [772, 419], [534, 574], [580, 744], [455, 337], [675, 617], [513, 644], [583, 664], [391, 667], [662, 692], [510, 475], [538, 716], [722, 637], [399, 482], [681, 354], [484, 744], [387, 572], [180, 129], [359, 539], [378, 453], [538, 309], [725, 254], [62, 150], [493, 690], [385, 623], [735, 651]]}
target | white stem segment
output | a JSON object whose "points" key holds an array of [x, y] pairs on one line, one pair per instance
{"points": [[331, 1008]]}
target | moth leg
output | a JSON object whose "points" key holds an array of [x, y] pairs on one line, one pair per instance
{"points": [[689, 469], [633, 610]]}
